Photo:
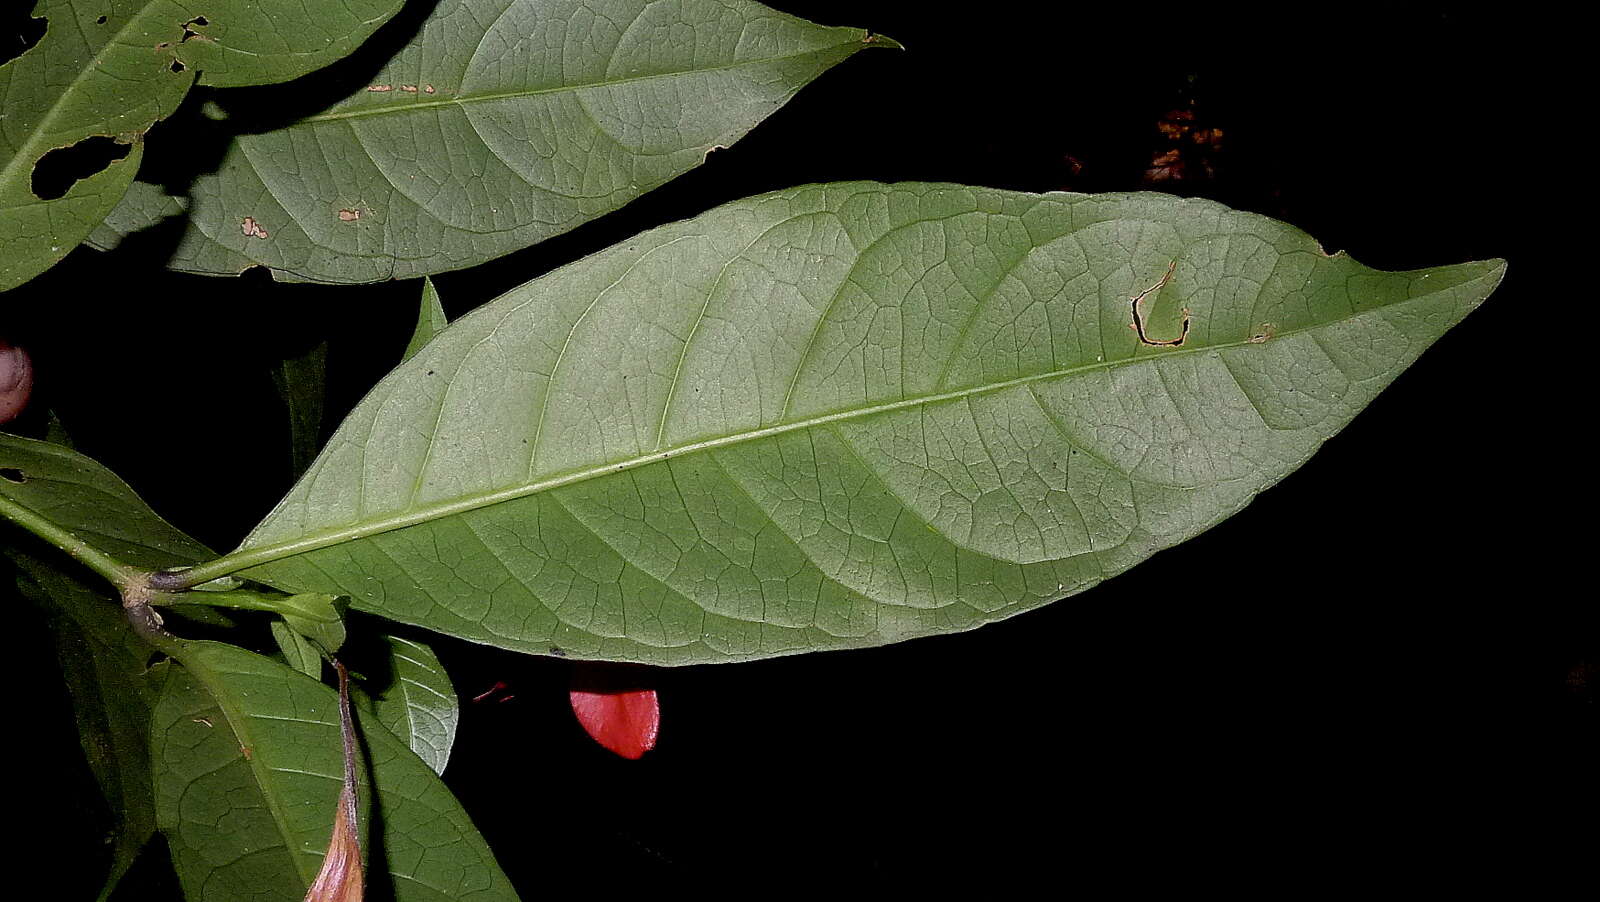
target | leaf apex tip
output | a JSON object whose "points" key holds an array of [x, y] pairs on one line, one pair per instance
{"points": [[874, 39]]}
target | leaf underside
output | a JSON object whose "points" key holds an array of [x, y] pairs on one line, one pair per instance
{"points": [[418, 705], [502, 123], [107, 71], [844, 415]]}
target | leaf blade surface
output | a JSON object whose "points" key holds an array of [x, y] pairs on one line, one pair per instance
{"points": [[255, 826], [80, 494], [107, 72], [502, 123], [419, 705], [845, 415]]}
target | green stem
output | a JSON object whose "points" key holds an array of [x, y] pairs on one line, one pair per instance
{"points": [[318, 608], [180, 580], [121, 575]]}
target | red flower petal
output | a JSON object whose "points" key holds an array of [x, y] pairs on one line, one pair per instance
{"points": [[614, 710]]}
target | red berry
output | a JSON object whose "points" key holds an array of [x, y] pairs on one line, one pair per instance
{"points": [[16, 380]]}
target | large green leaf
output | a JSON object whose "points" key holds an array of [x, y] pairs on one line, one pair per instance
{"points": [[106, 71], [253, 825], [502, 123], [844, 415], [103, 662], [91, 502]]}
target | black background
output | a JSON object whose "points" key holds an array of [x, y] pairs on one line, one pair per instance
{"points": [[1379, 671]]}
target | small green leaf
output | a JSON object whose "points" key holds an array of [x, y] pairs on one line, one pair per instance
{"points": [[501, 124], [844, 415], [255, 825], [298, 651], [418, 704], [430, 320], [325, 630], [108, 70]]}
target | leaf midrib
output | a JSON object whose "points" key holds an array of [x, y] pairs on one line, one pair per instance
{"points": [[463, 100], [247, 557]]}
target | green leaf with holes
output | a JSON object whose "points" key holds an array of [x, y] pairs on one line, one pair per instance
{"points": [[93, 503], [247, 761], [502, 123], [106, 71], [844, 415]]}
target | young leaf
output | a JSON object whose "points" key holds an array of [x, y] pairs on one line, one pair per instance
{"points": [[418, 705], [105, 72], [327, 632], [298, 651], [844, 415], [104, 665], [315, 616], [430, 320], [502, 123], [249, 766]]}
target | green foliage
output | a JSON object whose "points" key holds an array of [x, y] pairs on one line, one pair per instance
{"points": [[430, 320], [108, 71], [103, 663], [418, 703], [300, 382], [450, 155], [247, 771], [840, 416], [84, 497], [834, 416]]}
